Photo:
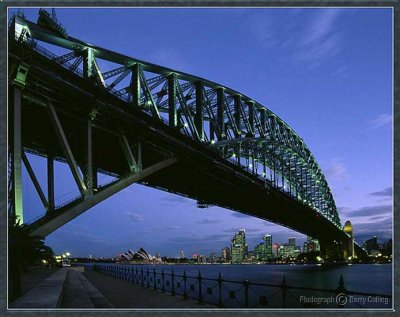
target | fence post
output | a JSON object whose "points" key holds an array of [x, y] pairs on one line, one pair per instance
{"points": [[162, 277], [341, 299], [173, 283], [136, 276], [154, 278], [185, 296], [219, 290], [142, 275], [246, 293], [200, 299], [284, 291], [148, 278]]}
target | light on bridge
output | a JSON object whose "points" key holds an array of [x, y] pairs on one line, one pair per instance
{"points": [[212, 141]]}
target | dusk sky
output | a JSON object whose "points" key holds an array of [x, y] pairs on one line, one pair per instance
{"points": [[326, 72]]}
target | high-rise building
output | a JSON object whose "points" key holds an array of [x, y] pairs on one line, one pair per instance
{"points": [[238, 247], [213, 257], [305, 247], [268, 246], [275, 248], [259, 251], [182, 254], [226, 254], [292, 241], [263, 251]]}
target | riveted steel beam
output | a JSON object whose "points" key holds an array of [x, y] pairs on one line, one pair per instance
{"points": [[66, 149], [130, 159], [250, 113], [135, 85], [67, 214], [50, 181], [199, 118], [16, 155], [35, 181], [172, 111], [220, 113]]}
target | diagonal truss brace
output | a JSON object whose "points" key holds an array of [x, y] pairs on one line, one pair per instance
{"points": [[66, 149], [75, 210], [35, 180]]}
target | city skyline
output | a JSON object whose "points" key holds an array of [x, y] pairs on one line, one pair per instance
{"points": [[332, 43]]}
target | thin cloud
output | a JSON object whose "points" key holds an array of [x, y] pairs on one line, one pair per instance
{"points": [[380, 210], [172, 228], [169, 58], [321, 26], [387, 192], [135, 216], [336, 171], [208, 221], [382, 120], [382, 229], [311, 39]]}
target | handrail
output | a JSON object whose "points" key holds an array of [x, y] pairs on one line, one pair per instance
{"points": [[244, 296]]}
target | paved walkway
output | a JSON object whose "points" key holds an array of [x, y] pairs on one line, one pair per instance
{"points": [[123, 294], [33, 277]]}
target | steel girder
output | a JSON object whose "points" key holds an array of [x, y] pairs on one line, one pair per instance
{"points": [[207, 112]]}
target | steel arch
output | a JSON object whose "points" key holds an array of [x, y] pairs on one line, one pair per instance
{"points": [[235, 125]]}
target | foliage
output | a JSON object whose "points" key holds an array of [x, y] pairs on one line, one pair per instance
{"points": [[29, 250]]}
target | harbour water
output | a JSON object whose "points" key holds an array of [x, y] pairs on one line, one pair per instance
{"points": [[373, 279]]}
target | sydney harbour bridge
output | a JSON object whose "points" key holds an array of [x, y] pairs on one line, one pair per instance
{"points": [[159, 127]]}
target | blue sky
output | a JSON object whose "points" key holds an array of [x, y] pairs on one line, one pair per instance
{"points": [[326, 72]]}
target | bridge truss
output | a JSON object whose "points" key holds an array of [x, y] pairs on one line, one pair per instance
{"points": [[216, 117]]}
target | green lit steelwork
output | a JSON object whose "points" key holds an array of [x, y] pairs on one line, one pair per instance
{"points": [[237, 127]]}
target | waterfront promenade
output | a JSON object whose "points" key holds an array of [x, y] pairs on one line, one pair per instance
{"points": [[123, 294], [73, 288]]}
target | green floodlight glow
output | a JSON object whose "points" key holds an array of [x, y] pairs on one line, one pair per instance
{"points": [[233, 155], [263, 174], [148, 102], [185, 125], [212, 141], [250, 165]]}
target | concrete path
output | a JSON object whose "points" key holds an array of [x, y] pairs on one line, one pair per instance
{"points": [[123, 294]]}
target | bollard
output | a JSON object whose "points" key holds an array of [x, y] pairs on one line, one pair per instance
{"points": [[246, 293], [219, 290], [200, 299], [185, 295]]}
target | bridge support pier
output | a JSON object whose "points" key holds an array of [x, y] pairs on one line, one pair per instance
{"points": [[16, 154]]}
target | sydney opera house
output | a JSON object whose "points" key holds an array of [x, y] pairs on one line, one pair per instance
{"points": [[140, 256]]}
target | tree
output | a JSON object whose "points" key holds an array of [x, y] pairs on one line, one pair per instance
{"points": [[24, 250]]}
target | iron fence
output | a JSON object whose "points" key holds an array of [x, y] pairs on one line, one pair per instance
{"points": [[225, 293]]}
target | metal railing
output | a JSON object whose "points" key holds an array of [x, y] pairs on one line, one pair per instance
{"points": [[242, 294]]}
